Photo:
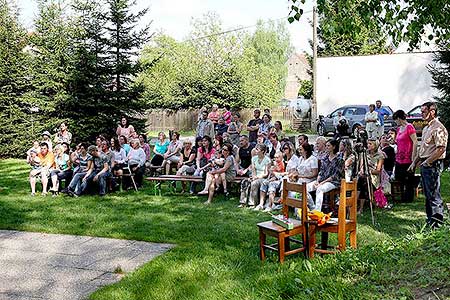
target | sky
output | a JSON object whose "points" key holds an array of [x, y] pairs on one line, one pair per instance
{"points": [[174, 17]]}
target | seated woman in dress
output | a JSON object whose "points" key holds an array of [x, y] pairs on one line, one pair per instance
{"points": [[221, 176], [62, 170], [308, 165], [160, 149], [348, 156], [172, 156], [119, 158], [123, 141], [375, 160], [186, 165], [260, 171], [329, 178], [136, 161], [204, 154]]}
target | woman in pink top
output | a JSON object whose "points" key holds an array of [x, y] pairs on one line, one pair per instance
{"points": [[214, 114], [406, 152], [227, 114], [125, 129]]}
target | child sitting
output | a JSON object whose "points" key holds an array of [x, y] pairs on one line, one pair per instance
{"points": [[34, 160], [273, 182]]}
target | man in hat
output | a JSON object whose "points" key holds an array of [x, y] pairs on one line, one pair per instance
{"points": [[46, 139]]}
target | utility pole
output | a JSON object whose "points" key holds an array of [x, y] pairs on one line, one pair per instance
{"points": [[314, 99]]}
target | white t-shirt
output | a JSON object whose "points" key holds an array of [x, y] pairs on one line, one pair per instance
{"points": [[292, 163], [305, 168]]}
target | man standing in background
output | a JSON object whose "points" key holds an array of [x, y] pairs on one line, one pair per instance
{"points": [[383, 113], [430, 159]]}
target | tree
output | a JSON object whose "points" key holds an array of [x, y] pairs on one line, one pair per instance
{"points": [[240, 69], [366, 36], [306, 89], [400, 20], [50, 64], [440, 73], [15, 126]]}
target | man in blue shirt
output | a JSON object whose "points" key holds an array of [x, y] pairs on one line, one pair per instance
{"points": [[383, 113]]}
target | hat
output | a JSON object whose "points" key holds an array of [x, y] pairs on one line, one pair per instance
{"points": [[46, 133]]}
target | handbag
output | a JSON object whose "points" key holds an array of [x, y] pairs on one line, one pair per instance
{"points": [[380, 198]]}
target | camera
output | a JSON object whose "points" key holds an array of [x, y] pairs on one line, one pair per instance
{"points": [[361, 140]]}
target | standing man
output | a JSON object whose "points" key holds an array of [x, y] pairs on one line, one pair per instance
{"points": [[383, 113], [430, 158], [253, 126], [205, 126]]}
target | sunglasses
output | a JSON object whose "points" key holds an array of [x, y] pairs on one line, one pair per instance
{"points": [[225, 149], [286, 148]]}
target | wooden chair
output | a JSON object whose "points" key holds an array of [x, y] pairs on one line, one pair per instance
{"points": [[345, 223], [283, 235]]}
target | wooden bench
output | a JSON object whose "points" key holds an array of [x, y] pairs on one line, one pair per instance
{"points": [[158, 180]]}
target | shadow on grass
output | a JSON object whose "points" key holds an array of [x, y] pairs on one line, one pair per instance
{"points": [[217, 246]]}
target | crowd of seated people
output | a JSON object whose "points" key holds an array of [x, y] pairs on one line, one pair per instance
{"points": [[219, 153], [88, 167]]}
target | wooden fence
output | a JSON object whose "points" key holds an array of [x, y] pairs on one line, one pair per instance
{"points": [[186, 120]]}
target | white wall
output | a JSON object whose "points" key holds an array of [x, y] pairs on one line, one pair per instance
{"points": [[401, 81]]}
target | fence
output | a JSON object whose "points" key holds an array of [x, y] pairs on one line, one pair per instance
{"points": [[186, 120]]}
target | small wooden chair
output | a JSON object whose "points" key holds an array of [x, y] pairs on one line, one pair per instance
{"points": [[283, 235], [341, 226]]}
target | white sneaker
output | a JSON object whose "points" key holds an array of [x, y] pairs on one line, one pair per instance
{"points": [[268, 209], [259, 207]]}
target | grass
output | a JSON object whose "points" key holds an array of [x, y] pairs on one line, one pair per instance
{"points": [[216, 256]]}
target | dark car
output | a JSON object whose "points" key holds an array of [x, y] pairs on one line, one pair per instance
{"points": [[414, 116], [355, 116]]}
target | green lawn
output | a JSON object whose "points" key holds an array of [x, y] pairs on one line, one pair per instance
{"points": [[216, 256]]}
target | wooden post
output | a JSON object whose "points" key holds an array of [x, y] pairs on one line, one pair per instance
{"points": [[314, 99]]}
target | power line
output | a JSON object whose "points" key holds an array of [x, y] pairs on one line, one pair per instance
{"points": [[239, 28]]}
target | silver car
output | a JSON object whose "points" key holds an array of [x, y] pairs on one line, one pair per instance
{"points": [[355, 116]]}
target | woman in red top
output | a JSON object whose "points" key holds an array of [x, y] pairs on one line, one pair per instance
{"points": [[406, 152]]}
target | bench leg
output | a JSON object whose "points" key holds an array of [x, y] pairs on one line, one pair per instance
{"points": [[262, 242]]}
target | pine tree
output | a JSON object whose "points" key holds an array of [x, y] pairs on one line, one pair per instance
{"points": [[51, 63], [124, 43], [15, 126]]}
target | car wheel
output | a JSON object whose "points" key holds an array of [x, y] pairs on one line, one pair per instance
{"points": [[320, 130]]}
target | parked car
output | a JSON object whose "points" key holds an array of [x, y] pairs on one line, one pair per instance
{"points": [[355, 116], [414, 116]]}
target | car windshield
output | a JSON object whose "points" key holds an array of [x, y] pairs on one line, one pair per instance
{"points": [[415, 112]]}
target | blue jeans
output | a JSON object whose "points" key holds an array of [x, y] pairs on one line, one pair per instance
{"points": [[431, 184], [101, 182], [75, 183]]}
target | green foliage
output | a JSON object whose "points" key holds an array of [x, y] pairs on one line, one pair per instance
{"points": [[440, 73], [344, 31], [239, 69], [306, 89], [407, 21], [16, 129], [77, 67]]}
